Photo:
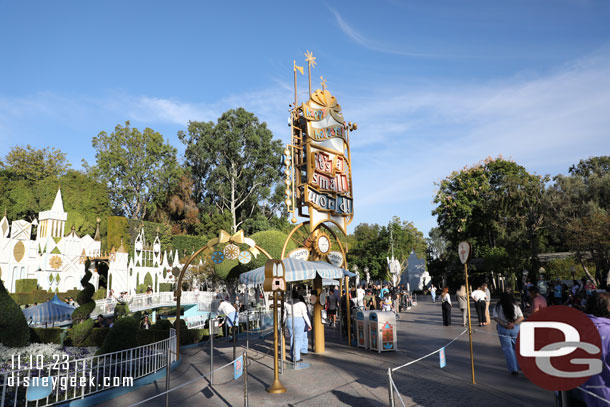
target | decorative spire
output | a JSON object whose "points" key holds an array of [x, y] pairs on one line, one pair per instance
{"points": [[311, 63], [58, 203], [97, 230]]}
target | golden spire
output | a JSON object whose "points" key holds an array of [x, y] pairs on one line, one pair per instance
{"points": [[300, 69], [323, 83], [311, 63]]}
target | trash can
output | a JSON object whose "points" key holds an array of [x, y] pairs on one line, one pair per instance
{"points": [[362, 328], [382, 330]]}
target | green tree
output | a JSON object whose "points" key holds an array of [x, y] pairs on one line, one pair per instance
{"points": [[139, 169], [84, 199], [234, 163], [32, 164], [371, 245], [494, 204], [578, 214]]}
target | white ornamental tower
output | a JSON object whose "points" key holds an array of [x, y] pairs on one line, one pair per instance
{"points": [[53, 223]]}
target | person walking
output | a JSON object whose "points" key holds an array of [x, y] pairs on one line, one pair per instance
{"points": [[478, 296], [446, 306], [537, 301], [463, 303], [487, 303], [297, 325], [433, 292], [331, 307], [508, 315]]}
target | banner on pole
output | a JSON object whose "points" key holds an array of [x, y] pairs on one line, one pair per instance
{"points": [[442, 359], [238, 367]]}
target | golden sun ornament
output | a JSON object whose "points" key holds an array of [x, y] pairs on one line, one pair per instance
{"points": [[310, 58], [55, 262]]}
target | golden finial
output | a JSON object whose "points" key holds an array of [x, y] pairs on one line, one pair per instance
{"points": [[311, 62], [323, 83]]}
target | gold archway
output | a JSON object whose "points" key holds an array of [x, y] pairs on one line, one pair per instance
{"points": [[222, 238]]}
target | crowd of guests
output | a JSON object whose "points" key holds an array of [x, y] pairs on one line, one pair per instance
{"points": [[509, 314]]}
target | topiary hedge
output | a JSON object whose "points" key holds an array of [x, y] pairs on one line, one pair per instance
{"points": [[45, 335], [87, 305], [79, 334], [14, 329], [120, 310], [141, 288], [100, 294], [165, 287], [162, 324], [122, 335], [26, 285], [147, 336], [97, 336]]}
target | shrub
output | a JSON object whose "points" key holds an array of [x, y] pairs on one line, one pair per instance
{"points": [[118, 229], [45, 335], [26, 285], [165, 287], [96, 337], [100, 294], [162, 324], [87, 305], [146, 336], [198, 335], [148, 281], [120, 310], [185, 337], [122, 335], [14, 329], [80, 332], [141, 288]]}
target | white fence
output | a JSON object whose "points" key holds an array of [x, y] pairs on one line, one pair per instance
{"points": [[76, 379]]}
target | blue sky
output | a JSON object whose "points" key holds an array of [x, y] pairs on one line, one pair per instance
{"points": [[433, 85]]}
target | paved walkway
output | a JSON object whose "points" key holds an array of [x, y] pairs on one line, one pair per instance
{"points": [[347, 376]]}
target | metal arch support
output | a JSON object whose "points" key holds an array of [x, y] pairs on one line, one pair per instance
{"points": [[178, 291]]}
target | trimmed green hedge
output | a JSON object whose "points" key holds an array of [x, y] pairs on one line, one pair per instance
{"points": [[26, 285], [165, 287], [120, 310], [45, 335], [122, 335], [79, 334], [162, 324], [14, 329], [147, 336], [141, 288], [96, 337], [100, 294]]}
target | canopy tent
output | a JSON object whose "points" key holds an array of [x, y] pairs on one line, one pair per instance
{"points": [[329, 281], [53, 310], [297, 270]]}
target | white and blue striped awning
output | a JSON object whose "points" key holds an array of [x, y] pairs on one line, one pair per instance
{"points": [[297, 270], [53, 310]]}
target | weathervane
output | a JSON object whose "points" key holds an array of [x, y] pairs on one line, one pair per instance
{"points": [[300, 69], [311, 63]]}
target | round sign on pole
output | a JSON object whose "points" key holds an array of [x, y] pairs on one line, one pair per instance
{"points": [[464, 251]]}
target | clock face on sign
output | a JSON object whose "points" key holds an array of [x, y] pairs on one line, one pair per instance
{"points": [[323, 244]]}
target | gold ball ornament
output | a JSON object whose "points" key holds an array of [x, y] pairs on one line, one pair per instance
{"points": [[288, 202]]}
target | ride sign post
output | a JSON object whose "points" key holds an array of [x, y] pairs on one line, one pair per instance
{"points": [[465, 252]]}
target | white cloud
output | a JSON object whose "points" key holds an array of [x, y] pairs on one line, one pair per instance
{"points": [[368, 43]]}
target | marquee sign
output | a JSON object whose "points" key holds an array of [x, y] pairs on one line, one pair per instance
{"points": [[318, 161]]}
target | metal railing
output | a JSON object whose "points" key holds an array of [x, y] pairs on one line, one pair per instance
{"points": [[140, 302], [76, 379]]}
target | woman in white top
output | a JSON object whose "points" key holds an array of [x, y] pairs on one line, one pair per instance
{"points": [[296, 325], [446, 306], [479, 297], [508, 315]]}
